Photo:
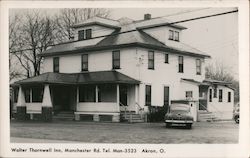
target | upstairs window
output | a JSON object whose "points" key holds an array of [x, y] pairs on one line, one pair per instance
{"points": [[81, 35], [148, 95], [176, 36], [180, 61], [166, 58], [171, 34], [88, 33], [229, 97], [198, 66], [150, 59], [85, 62], [56, 64], [116, 59], [220, 95]]}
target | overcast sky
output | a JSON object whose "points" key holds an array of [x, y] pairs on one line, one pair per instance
{"points": [[216, 36]]}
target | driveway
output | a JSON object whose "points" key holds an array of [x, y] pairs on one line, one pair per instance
{"points": [[92, 132]]}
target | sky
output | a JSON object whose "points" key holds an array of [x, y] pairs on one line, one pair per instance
{"points": [[216, 36]]}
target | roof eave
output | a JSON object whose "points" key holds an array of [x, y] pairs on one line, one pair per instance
{"points": [[96, 23], [160, 25], [96, 48]]}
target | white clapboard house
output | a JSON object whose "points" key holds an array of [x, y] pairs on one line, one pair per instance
{"points": [[115, 69]]}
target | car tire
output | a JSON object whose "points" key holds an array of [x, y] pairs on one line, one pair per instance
{"points": [[189, 126], [168, 125], [237, 119]]}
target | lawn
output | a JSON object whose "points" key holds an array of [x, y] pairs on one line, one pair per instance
{"points": [[92, 132]]}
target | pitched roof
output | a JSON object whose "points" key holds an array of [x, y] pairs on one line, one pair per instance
{"points": [[217, 82], [80, 78], [127, 36]]}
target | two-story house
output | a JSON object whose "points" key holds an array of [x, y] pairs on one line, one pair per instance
{"points": [[114, 67]]}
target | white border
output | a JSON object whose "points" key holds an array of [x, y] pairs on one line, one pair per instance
{"points": [[180, 150]]}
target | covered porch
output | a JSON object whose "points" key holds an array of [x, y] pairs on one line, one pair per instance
{"points": [[100, 95]]}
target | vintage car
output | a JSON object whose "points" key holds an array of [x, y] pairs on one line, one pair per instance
{"points": [[236, 113], [179, 114]]}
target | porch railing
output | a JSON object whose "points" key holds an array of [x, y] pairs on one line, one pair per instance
{"points": [[140, 110]]}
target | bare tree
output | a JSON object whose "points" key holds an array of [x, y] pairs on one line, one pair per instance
{"points": [[68, 17], [35, 34]]}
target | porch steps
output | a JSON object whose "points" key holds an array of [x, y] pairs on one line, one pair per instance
{"points": [[131, 117], [205, 116], [64, 115]]}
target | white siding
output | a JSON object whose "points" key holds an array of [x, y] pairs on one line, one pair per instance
{"points": [[163, 74], [223, 109]]}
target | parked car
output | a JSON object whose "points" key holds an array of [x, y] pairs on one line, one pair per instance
{"points": [[236, 113], [179, 114]]}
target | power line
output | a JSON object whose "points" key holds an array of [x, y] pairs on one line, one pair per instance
{"points": [[133, 30]]}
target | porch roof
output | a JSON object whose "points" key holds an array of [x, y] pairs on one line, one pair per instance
{"points": [[97, 77]]}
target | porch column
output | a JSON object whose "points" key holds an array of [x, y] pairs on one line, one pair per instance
{"points": [[136, 98], [46, 104], [96, 93], [21, 106], [77, 116], [118, 95]]}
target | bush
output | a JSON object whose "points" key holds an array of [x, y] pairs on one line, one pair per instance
{"points": [[156, 113]]}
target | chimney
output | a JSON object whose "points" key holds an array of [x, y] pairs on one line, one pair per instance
{"points": [[147, 16]]}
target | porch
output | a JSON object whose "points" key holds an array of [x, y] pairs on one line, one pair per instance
{"points": [[101, 96]]}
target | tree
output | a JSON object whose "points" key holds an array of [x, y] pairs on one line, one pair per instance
{"points": [[33, 31], [222, 73], [34, 34], [66, 18]]}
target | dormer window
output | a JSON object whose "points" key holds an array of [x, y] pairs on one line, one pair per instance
{"points": [[88, 33], [171, 34], [84, 34], [174, 35], [81, 35]]}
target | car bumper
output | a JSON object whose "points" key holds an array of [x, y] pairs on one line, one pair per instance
{"points": [[178, 121]]}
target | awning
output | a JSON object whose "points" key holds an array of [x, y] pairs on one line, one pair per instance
{"points": [[97, 77]]}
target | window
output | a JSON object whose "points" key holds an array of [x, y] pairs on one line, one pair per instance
{"points": [[27, 95], [229, 97], [56, 64], [88, 33], [176, 36], [150, 59], [107, 93], [189, 94], [171, 34], [215, 91], [198, 66], [87, 93], [85, 62], [81, 35], [16, 90], [166, 58], [220, 95], [210, 95], [180, 60], [148, 95], [116, 59], [37, 94]]}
